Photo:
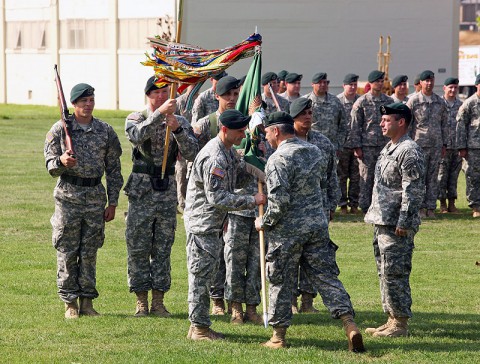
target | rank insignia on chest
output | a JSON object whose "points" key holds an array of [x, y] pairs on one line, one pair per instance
{"points": [[218, 172]]}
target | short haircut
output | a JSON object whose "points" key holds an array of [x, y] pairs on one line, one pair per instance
{"points": [[285, 128]]}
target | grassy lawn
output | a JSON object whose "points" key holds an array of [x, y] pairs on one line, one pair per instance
{"points": [[445, 283]]}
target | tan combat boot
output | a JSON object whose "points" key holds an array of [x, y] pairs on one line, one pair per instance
{"points": [[158, 308], [252, 316], [218, 307], [307, 304], [476, 212], [451, 206], [343, 210], [71, 310], [277, 340], [354, 210], [294, 305], [355, 340], [142, 304], [204, 333], [443, 206], [372, 330], [398, 328], [86, 307], [237, 313]]}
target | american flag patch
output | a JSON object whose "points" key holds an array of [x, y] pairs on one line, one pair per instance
{"points": [[218, 172]]}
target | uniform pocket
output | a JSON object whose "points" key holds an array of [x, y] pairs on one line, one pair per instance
{"points": [[276, 264]]}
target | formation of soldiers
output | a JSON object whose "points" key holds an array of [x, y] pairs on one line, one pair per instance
{"points": [[322, 151]]}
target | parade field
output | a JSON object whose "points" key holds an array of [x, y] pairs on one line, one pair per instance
{"points": [[445, 283]]}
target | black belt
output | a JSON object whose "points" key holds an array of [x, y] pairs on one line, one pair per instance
{"points": [[153, 171], [79, 181]]}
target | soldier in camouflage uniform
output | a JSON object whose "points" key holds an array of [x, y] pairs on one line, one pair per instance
{"points": [[80, 198], [293, 83], [298, 231], [216, 171], [451, 163], [152, 202], [206, 102], [271, 78], [282, 85], [365, 134], [400, 89], [429, 129], [468, 144], [328, 113], [397, 196], [347, 167], [416, 86]]}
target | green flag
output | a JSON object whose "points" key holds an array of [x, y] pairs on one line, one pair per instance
{"points": [[250, 98]]}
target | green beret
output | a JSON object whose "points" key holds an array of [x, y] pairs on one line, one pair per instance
{"points": [[375, 75], [298, 105], [293, 77], [477, 80], [317, 77], [416, 80], [426, 75], [233, 119], [269, 76], [398, 80], [397, 108], [226, 84], [81, 90], [349, 78], [218, 76], [451, 81], [242, 80], [282, 74], [278, 117]]}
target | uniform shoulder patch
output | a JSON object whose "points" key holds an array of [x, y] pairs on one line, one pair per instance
{"points": [[49, 137], [218, 172], [136, 116]]}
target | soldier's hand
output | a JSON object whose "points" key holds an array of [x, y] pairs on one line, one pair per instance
{"points": [[172, 122], [260, 199], [358, 152], [401, 232], [109, 213], [67, 159], [258, 223], [168, 107]]}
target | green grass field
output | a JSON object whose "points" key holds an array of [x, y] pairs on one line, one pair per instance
{"points": [[445, 283]]}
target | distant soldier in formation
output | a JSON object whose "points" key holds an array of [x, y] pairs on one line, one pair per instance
{"points": [[206, 103], [282, 85], [400, 89], [80, 198], [416, 86], [271, 79], [451, 163], [293, 84]]}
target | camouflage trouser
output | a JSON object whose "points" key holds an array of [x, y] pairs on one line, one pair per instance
{"points": [[150, 232], [393, 256], [203, 252], [348, 177], [367, 173], [78, 232], [242, 261], [472, 174], [448, 173], [433, 155], [217, 289], [316, 253], [181, 179]]}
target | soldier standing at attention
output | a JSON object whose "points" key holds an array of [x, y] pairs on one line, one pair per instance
{"points": [[293, 83], [468, 144], [282, 86], [400, 89], [297, 231], [271, 78], [429, 129], [397, 195], [347, 167], [365, 134], [451, 163], [152, 201], [215, 173], [80, 198], [416, 86]]}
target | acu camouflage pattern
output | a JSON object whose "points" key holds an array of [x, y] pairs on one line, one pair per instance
{"points": [[271, 107], [78, 222], [151, 218], [204, 105], [396, 99], [289, 98], [202, 129]]}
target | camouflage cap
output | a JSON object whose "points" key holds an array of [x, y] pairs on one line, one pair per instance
{"points": [[317, 77], [293, 77], [426, 75], [233, 119], [397, 108], [81, 90], [398, 80], [451, 81], [278, 117], [298, 105], [349, 78], [218, 76], [269, 76], [375, 75], [282, 74], [226, 84]]}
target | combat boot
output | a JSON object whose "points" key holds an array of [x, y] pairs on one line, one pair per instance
{"points": [[398, 328], [307, 304], [343, 210], [277, 340], [237, 313], [431, 214], [218, 307], [142, 304], [451, 206], [252, 316], [355, 340], [229, 307], [71, 310], [372, 330], [86, 307], [443, 206], [354, 210], [294, 305], [158, 308], [476, 212], [204, 333]]}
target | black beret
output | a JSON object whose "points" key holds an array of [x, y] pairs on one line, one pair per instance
{"points": [[451, 81], [398, 80], [416, 80], [242, 80], [293, 77], [278, 117], [218, 76], [397, 108], [282, 74], [477, 80], [298, 105], [267, 77], [233, 119], [81, 90], [150, 86], [225, 84], [426, 75], [317, 77], [375, 75], [349, 78]]}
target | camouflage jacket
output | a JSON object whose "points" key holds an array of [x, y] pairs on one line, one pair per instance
{"points": [[204, 104], [271, 107], [452, 110], [182, 107], [396, 99], [347, 107], [289, 98], [203, 131], [468, 124]]}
